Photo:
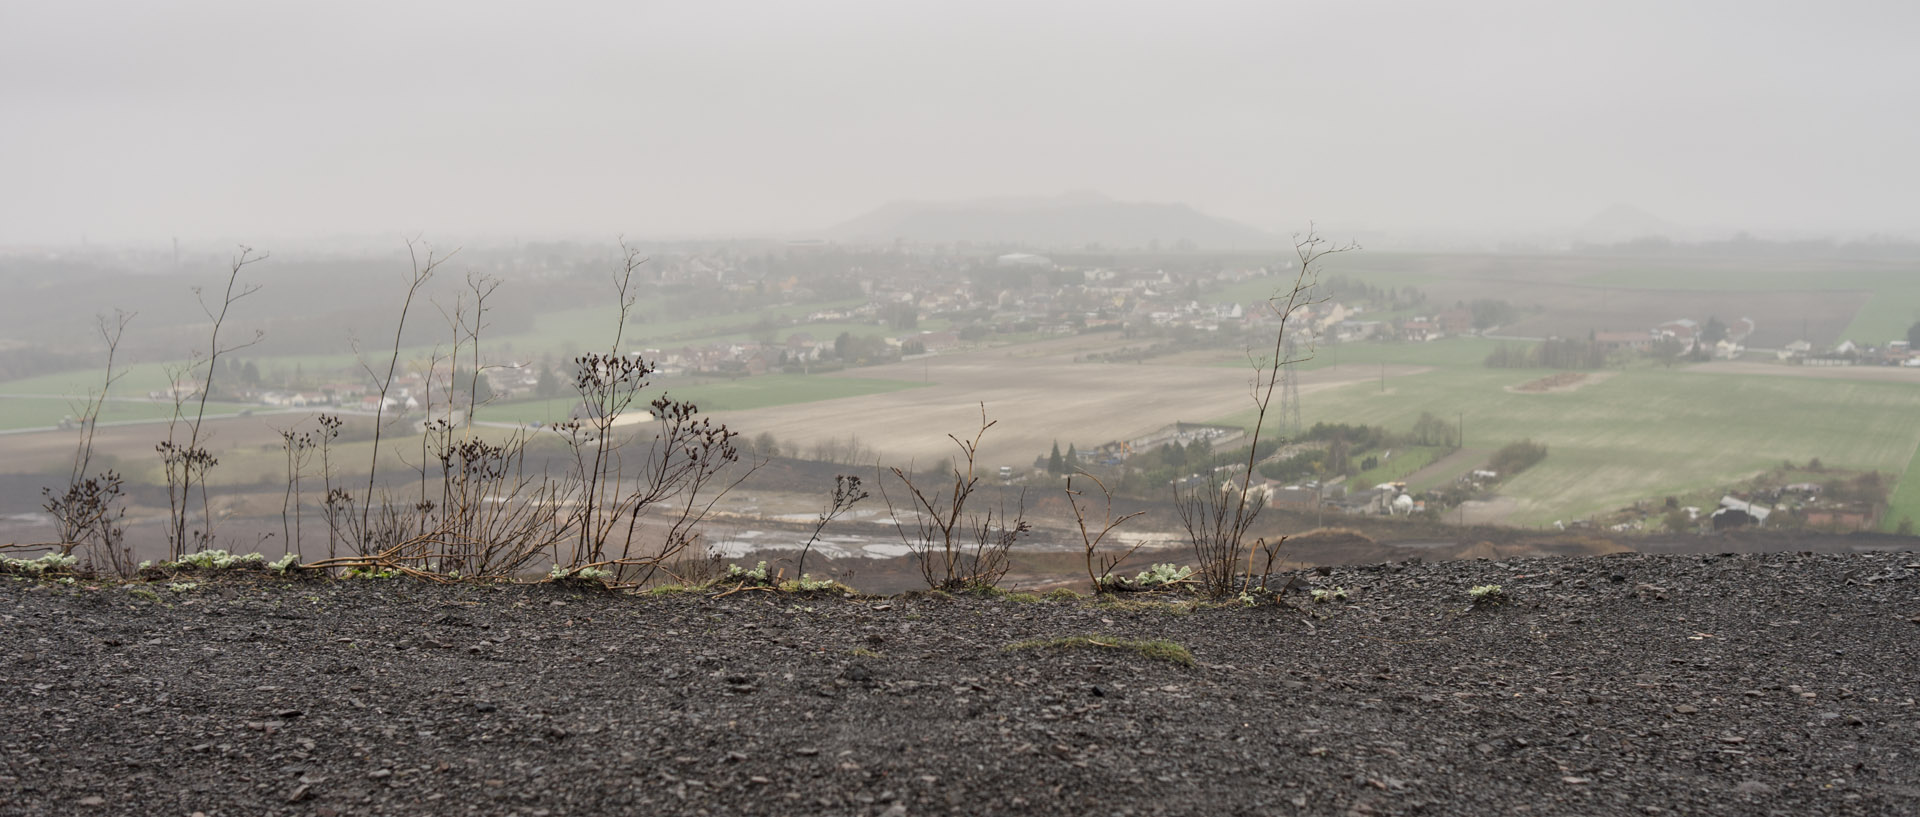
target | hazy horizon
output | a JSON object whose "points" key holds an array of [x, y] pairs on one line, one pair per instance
{"points": [[228, 121]]}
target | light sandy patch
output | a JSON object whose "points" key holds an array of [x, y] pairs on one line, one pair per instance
{"points": [[1034, 393], [1878, 374], [1490, 512]]}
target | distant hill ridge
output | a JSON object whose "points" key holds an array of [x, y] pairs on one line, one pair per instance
{"points": [[1072, 220]]}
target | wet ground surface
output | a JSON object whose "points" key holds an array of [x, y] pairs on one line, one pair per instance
{"points": [[1625, 684]]}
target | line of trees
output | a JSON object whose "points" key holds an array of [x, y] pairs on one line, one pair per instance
{"points": [[1554, 353]]}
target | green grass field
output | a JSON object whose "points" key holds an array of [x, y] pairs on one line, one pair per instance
{"points": [[138, 380], [1894, 307], [1641, 433], [1905, 502], [41, 412], [1405, 461], [717, 395], [569, 331]]}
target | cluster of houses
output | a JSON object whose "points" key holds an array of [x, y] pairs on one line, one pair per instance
{"points": [[1685, 335], [1807, 503], [1847, 353], [407, 392], [1089, 300], [1797, 505], [1688, 337], [1418, 329]]}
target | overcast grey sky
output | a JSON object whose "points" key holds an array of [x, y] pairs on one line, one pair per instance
{"points": [[137, 120]]}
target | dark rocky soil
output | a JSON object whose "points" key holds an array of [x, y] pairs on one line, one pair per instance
{"points": [[1629, 684]]}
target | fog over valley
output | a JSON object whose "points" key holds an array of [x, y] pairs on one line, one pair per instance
{"points": [[1490, 278]]}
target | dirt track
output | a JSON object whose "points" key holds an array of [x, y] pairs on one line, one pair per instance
{"points": [[1879, 374]]}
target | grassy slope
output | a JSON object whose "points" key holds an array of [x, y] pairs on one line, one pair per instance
{"points": [[1642, 433], [1404, 462]]}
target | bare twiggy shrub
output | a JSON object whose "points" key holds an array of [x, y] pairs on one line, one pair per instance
{"points": [[1091, 539], [957, 548], [846, 493], [493, 516], [1218, 513], [88, 512], [184, 458], [335, 500], [681, 472], [298, 446], [631, 505], [608, 385], [687, 470], [1271, 550], [363, 534], [695, 567]]}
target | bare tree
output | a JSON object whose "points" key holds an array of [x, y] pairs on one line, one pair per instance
{"points": [[1218, 513]]}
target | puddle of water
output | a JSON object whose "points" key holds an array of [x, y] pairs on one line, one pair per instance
{"points": [[740, 544]]}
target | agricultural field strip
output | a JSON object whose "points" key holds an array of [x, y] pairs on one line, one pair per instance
{"points": [[1644, 433], [1034, 393], [583, 329], [715, 395]]}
